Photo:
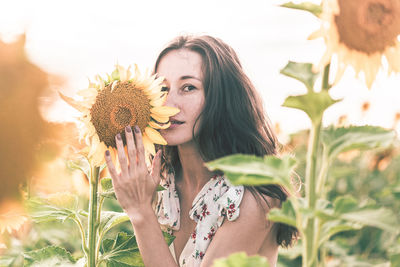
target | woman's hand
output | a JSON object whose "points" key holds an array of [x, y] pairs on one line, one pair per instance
{"points": [[134, 186]]}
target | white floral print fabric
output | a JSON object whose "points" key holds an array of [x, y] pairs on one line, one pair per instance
{"points": [[217, 200]]}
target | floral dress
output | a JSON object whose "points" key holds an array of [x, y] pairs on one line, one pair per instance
{"points": [[216, 200]]}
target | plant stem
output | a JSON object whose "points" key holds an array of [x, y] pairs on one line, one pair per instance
{"points": [[325, 78], [98, 243], [323, 173], [83, 236], [93, 223], [311, 233], [312, 153]]}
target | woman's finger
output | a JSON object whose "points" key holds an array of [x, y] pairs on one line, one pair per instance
{"points": [[139, 146], [156, 168], [121, 155], [110, 165], [131, 147]]}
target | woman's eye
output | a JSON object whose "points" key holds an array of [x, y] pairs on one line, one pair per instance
{"points": [[188, 88], [164, 89]]}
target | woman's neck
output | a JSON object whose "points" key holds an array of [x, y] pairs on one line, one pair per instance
{"points": [[194, 175]]}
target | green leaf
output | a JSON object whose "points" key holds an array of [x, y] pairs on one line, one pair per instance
{"points": [[115, 74], [241, 259], [395, 260], [286, 214], [49, 256], [81, 164], [107, 188], [343, 204], [160, 188], [333, 227], [314, 9], [63, 200], [337, 140], [43, 211], [381, 218], [124, 251], [6, 260], [106, 245], [109, 219], [252, 170], [301, 72], [313, 104]]}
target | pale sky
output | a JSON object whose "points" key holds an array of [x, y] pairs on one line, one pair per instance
{"points": [[79, 39]]}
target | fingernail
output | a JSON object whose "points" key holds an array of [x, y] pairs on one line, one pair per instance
{"points": [[137, 129], [118, 136], [107, 153], [128, 128]]}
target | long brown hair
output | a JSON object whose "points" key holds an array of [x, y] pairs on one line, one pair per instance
{"points": [[233, 119]]}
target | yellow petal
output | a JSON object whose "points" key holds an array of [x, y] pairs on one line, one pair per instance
{"points": [[114, 83], [157, 102], [73, 103], [148, 145], [88, 93], [95, 142], [124, 74], [98, 156], [155, 125], [162, 119], [164, 111], [155, 136], [317, 34]]}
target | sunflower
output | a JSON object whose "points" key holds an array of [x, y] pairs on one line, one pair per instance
{"points": [[12, 216], [360, 32], [110, 105]]}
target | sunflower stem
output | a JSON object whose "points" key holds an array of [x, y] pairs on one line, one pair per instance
{"points": [[309, 259], [98, 243], [325, 79], [313, 192], [93, 223]]}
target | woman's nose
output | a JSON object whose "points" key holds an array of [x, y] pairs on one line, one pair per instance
{"points": [[171, 99]]}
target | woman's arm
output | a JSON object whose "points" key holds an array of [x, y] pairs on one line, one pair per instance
{"points": [[134, 188], [151, 242], [247, 233]]}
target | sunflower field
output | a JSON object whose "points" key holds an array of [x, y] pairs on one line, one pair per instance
{"points": [[58, 206]]}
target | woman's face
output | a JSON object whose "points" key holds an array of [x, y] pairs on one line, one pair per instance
{"points": [[182, 70]]}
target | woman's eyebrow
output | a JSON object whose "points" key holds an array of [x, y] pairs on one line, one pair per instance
{"points": [[189, 77]]}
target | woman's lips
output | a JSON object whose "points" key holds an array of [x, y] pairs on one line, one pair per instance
{"points": [[175, 123]]}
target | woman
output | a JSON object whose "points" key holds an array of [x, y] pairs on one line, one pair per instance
{"points": [[220, 114]]}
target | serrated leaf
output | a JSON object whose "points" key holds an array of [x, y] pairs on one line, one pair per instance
{"points": [[381, 218], [107, 188], [106, 245], [343, 204], [333, 227], [286, 214], [63, 200], [123, 251], [241, 260], [252, 170], [109, 219], [81, 164], [314, 9], [48, 256], [313, 104], [301, 72], [42, 211], [337, 140]]}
